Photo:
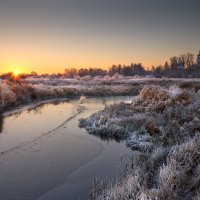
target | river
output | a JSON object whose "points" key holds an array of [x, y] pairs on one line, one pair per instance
{"points": [[44, 155]]}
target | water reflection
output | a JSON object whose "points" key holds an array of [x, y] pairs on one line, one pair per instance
{"points": [[38, 109], [108, 138], [62, 164]]}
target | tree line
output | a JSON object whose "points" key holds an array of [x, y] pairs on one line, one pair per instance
{"points": [[182, 66]]}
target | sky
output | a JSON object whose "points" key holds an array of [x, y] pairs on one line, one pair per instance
{"points": [[48, 36]]}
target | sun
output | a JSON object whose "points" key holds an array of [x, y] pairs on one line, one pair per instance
{"points": [[16, 71]]}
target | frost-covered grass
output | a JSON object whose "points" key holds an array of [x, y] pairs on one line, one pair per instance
{"points": [[163, 124], [108, 80], [152, 113], [17, 92], [172, 174]]}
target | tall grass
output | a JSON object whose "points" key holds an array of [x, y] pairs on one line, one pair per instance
{"points": [[164, 125], [14, 93]]}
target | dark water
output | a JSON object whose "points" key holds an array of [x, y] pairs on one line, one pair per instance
{"points": [[46, 156]]}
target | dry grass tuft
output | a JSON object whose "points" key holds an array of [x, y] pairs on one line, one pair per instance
{"points": [[165, 125], [156, 98]]}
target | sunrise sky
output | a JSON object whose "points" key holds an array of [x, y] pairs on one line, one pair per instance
{"points": [[48, 36]]}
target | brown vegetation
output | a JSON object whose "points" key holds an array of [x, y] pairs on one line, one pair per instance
{"points": [[164, 125]]}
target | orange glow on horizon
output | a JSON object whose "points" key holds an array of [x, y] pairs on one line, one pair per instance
{"points": [[58, 66], [51, 70], [16, 71]]}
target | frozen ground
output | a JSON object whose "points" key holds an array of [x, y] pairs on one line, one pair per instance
{"points": [[16, 93], [164, 125]]}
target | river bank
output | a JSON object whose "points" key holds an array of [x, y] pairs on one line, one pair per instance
{"points": [[164, 125], [44, 152], [24, 92]]}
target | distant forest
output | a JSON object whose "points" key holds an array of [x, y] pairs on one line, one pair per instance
{"points": [[183, 66]]}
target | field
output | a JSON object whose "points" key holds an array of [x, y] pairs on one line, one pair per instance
{"points": [[16, 93], [162, 123]]}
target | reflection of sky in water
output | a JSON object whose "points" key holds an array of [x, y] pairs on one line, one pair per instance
{"points": [[60, 163], [20, 127]]}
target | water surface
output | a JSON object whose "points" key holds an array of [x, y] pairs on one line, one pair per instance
{"points": [[46, 156]]}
